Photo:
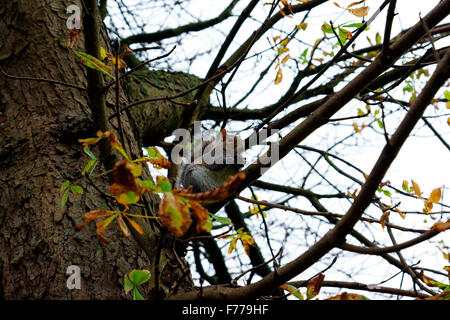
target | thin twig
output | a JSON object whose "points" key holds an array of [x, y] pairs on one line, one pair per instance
{"points": [[43, 80]]}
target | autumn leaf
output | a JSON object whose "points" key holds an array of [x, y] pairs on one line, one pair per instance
{"points": [[126, 189], [383, 218], [93, 63], [245, 238], [174, 214], [348, 296], [279, 76], [359, 12], [292, 290], [314, 285], [101, 226], [201, 216], [72, 37], [93, 215], [135, 225], [123, 227], [441, 226], [400, 213], [226, 190], [286, 58], [302, 26], [416, 189], [441, 296], [435, 195]]}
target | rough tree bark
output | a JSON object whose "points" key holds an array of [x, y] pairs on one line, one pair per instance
{"points": [[40, 125]]}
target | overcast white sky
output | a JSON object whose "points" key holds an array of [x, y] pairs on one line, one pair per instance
{"points": [[423, 158]]}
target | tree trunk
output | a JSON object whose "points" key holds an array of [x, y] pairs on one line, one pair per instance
{"points": [[40, 124]]}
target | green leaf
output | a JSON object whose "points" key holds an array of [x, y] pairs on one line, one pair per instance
{"points": [[127, 284], [147, 183], [222, 220], [380, 123], [208, 225], [137, 295], [89, 153], [447, 94], [387, 193], [129, 197], [64, 198], [76, 189], [88, 166], [327, 28], [353, 25], [164, 184], [138, 277], [93, 63], [64, 186], [378, 38]]}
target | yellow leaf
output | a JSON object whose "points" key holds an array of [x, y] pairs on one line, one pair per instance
{"points": [[416, 189], [359, 12], [428, 206], [435, 195], [355, 126], [103, 53], [302, 26], [279, 76]]}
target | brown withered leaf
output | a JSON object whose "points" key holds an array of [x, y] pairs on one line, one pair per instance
{"points": [[383, 218], [314, 285], [72, 37], [123, 227], [124, 176], [348, 296], [441, 296], [226, 190], [160, 163], [101, 226], [93, 215], [201, 215], [174, 214]]}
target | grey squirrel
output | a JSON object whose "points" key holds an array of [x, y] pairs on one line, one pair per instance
{"points": [[218, 158]]}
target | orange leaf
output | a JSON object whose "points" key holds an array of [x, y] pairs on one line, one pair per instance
{"points": [[101, 226], [226, 190], [441, 226], [355, 3], [135, 225], [279, 76], [93, 215], [314, 285], [174, 214], [286, 58], [399, 212], [201, 215], [384, 217]]}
